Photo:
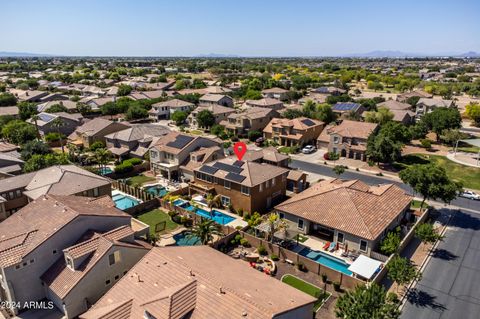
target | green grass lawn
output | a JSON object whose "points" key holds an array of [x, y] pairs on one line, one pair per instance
{"points": [[301, 238], [468, 149], [416, 204], [288, 149], [156, 216], [307, 288], [139, 180], [467, 175]]}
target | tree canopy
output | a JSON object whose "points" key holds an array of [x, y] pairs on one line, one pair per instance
{"points": [[179, 117], [205, 118], [442, 118]]}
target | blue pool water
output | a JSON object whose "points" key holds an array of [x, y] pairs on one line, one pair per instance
{"points": [[218, 217], [157, 191], [123, 202], [105, 170], [326, 260], [182, 239], [178, 202]]}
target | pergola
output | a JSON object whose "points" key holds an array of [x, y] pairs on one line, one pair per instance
{"points": [[473, 142]]}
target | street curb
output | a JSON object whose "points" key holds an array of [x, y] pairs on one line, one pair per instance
{"points": [[425, 262]]}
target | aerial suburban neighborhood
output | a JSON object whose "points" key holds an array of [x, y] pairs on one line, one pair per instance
{"points": [[288, 177]]}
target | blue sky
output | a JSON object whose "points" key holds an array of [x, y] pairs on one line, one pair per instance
{"points": [[248, 28]]}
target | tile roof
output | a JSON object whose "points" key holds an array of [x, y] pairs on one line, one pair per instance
{"points": [[274, 90], [349, 129], [61, 279], [297, 123], [7, 147], [264, 102], [172, 282], [162, 142], [139, 131], [395, 105], [94, 126], [212, 97], [32, 225], [349, 206], [174, 103]]}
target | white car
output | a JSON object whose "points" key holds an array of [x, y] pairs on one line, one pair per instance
{"points": [[470, 195], [308, 149]]}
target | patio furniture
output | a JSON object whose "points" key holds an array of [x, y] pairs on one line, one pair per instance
{"points": [[332, 247], [326, 246]]}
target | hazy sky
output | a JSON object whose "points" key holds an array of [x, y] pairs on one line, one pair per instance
{"points": [[242, 27]]}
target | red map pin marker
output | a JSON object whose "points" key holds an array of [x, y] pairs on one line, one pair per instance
{"points": [[240, 149]]}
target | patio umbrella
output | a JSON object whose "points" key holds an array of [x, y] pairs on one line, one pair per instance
{"points": [[345, 247]]}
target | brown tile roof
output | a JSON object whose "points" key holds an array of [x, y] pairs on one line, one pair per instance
{"points": [[216, 109], [94, 126], [174, 103], [274, 90], [212, 97], [170, 282], [32, 225], [264, 102], [349, 129], [395, 105], [7, 147], [297, 124], [61, 279], [162, 142], [349, 206]]}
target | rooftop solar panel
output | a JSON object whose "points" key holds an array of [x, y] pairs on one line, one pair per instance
{"points": [[308, 122], [228, 168], [238, 163], [235, 177], [180, 142], [45, 117], [208, 169], [345, 106]]}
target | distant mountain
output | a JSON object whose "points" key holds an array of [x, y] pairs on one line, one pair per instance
{"points": [[217, 55], [21, 54], [401, 54], [470, 54]]}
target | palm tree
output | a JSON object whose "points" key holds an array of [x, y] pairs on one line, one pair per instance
{"points": [[72, 152], [35, 118], [214, 201], [275, 224], [205, 231], [102, 156], [57, 123]]}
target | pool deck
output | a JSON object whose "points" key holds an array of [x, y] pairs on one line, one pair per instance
{"points": [[317, 244]]}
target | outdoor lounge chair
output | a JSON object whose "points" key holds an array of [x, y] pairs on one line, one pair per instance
{"points": [[332, 246], [326, 246]]}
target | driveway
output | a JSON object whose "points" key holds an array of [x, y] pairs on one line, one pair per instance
{"points": [[450, 284]]}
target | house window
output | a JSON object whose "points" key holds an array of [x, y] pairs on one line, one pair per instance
{"points": [[273, 181], [18, 193], [260, 188], [95, 192], [70, 262], [114, 258], [245, 190], [226, 184], [11, 195], [153, 154], [267, 184], [340, 237], [335, 140], [363, 245], [300, 224], [281, 215], [225, 200], [54, 251]]}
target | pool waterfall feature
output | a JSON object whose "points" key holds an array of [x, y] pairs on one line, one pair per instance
{"points": [[215, 215]]}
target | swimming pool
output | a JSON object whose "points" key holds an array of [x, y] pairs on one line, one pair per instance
{"points": [[156, 190], [326, 260], [215, 215], [179, 202], [123, 201], [183, 239], [105, 171]]}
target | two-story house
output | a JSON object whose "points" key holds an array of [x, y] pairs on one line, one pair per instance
{"points": [[46, 122], [350, 213], [349, 139], [267, 103], [174, 151], [427, 105], [66, 249], [295, 132], [163, 110], [135, 140], [252, 119], [220, 113], [250, 186], [215, 99], [276, 93], [94, 130], [19, 190]]}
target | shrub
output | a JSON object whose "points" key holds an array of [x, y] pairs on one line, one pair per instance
{"points": [[426, 143], [238, 238], [240, 212], [172, 213], [123, 168], [244, 242], [53, 137], [274, 257], [177, 219], [134, 161], [324, 278], [96, 145], [336, 286], [262, 250], [301, 266]]}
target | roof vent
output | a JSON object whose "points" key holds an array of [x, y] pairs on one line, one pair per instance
{"points": [[56, 204], [244, 314], [221, 290]]}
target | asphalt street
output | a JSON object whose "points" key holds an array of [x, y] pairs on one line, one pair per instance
{"points": [[449, 287], [372, 179]]}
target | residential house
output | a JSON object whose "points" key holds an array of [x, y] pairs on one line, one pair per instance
{"points": [[173, 151], [417, 93], [10, 165], [269, 155], [29, 95], [314, 97], [163, 110], [401, 111], [252, 119], [135, 140], [267, 103], [216, 99], [185, 282], [348, 109], [350, 213], [95, 130], [427, 105], [65, 249], [328, 90], [220, 113], [97, 102], [276, 93], [142, 95], [296, 132], [59, 180], [70, 105], [250, 186], [9, 110], [349, 138], [46, 122]]}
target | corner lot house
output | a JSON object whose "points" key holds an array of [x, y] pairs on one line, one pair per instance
{"points": [[171, 155], [251, 186], [349, 138], [60, 180], [65, 249], [347, 212], [296, 132], [94, 130], [185, 282]]}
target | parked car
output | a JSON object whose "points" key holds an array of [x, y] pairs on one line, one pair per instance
{"points": [[308, 149], [259, 141], [470, 195]]}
